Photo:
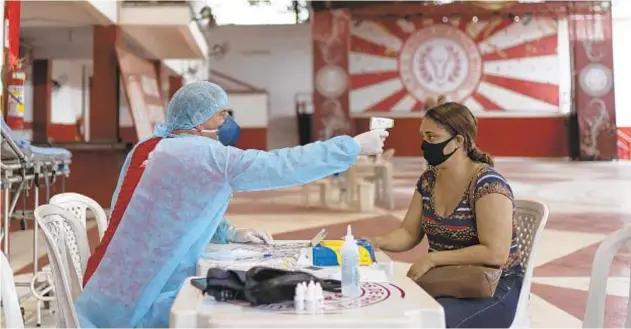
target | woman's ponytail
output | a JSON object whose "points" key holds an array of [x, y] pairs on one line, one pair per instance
{"points": [[476, 155]]}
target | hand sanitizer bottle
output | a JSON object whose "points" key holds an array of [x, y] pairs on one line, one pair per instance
{"points": [[350, 266], [299, 298], [310, 300]]}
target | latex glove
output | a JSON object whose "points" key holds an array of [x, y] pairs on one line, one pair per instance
{"points": [[251, 236], [371, 142]]}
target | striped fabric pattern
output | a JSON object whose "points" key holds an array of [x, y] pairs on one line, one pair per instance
{"points": [[459, 230]]}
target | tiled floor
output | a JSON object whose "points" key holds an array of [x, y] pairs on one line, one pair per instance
{"points": [[587, 201]]}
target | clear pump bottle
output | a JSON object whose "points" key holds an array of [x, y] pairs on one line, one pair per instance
{"points": [[350, 266]]}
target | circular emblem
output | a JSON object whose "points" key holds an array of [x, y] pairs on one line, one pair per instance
{"points": [[440, 60], [596, 80], [331, 81], [372, 293]]}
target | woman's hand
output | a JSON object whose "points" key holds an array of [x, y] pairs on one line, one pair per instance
{"points": [[376, 241], [418, 269]]}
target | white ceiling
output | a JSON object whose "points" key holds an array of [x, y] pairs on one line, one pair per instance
{"points": [[67, 42], [59, 14], [64, 30]]}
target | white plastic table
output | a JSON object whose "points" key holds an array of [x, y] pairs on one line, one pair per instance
{"points": [[401, 303]]}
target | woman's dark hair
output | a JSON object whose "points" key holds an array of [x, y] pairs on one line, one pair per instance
{"points": [[441, 99], [457, 119]]}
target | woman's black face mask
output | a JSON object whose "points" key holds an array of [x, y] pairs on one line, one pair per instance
{"points": [[433, 152]]}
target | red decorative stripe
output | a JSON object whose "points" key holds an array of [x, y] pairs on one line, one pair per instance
{"points": [[418, 107], [393, 28], [361, 45], [486, 103], [546, 92], [456, 227], [429, 220], [540, 47], [494, 25], [130, 182], [386, 104], [460, 24]]}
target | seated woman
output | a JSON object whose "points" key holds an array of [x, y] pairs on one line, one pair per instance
{"points": [[440, 209]]}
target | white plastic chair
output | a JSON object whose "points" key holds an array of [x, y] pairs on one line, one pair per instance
{"points": [[355, 189], [67, 244], [9, 296], [387, 155], [322, 185], [78, 204], [595, 307], [531, 218]]}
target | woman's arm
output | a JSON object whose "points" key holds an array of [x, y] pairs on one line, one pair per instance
{"points": [[409, 234], [254, 170], [494, 218]]}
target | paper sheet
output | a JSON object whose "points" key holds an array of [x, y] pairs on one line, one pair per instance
{"points": [[231, 255], [366, 274]]}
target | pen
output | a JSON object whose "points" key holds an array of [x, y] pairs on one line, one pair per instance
{"points": [[254, 257]]}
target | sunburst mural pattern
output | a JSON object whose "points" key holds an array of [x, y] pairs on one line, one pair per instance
{"points": [[497, 65]]}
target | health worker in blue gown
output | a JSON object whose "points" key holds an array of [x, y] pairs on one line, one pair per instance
{"points": [[171, 198]]}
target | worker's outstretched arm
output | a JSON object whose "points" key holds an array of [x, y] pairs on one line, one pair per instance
{"points": [[224, 233], [253, 170]]}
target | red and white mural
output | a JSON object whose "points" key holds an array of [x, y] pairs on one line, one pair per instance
{"points": [[500, 64], [594, 96], [330, 35]]}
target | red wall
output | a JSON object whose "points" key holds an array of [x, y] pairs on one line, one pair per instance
{"points": [[525, 137], [253, 138]]}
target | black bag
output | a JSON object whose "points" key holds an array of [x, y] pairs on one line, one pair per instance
{"points": [[260, 285]]}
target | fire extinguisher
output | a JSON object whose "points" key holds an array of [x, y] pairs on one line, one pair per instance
{"points": [[15, 100]]}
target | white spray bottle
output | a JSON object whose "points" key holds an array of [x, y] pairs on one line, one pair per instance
{"points": [[350, 266]]}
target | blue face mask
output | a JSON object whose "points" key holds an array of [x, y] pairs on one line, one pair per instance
{"points": [[228, 132]]}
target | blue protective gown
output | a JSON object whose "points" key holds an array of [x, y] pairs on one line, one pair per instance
{"points": [[177, 207]]}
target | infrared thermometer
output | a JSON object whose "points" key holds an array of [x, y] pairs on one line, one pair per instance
{"points": [[381, 123]]}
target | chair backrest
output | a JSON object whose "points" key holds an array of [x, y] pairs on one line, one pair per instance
{"points": [[67, 243], [9, 296], [530, 219], [387, 155], [78, 204], [597, 293]]}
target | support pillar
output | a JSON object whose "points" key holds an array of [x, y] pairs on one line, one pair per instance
{"points": [[175, 83], [104, 90], [330, 33], [158, 66], [162, 76], [593, 93], [42, 93]]}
